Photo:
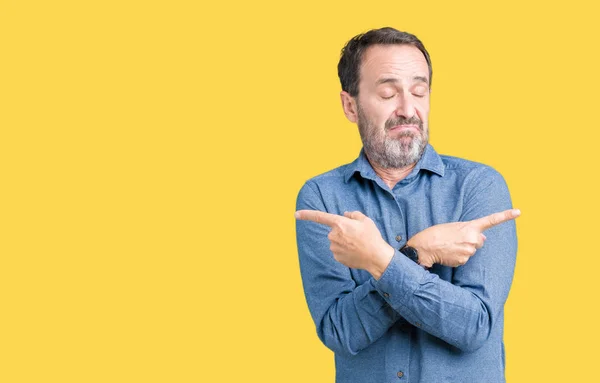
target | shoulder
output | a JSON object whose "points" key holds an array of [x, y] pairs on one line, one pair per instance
{"points": [[483, 189], [320, 187], [470, 171], [330, 180]]}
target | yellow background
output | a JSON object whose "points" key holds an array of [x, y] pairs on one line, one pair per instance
{"points": [[151, 153]]}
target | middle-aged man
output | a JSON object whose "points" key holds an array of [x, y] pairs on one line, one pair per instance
{"points": [[400, 280]]}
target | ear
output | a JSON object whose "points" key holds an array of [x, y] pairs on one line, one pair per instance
{"points": [[349, 106]]}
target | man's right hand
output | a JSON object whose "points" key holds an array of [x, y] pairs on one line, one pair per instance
{"points": [[452, 244]]}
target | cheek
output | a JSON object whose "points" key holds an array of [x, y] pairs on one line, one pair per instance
{"points": [[385, 112], [379, 113], [422, 111]]}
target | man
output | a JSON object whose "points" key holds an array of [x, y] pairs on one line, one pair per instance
{"points": [[400, 280]]}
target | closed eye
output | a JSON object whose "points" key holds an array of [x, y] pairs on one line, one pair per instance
{"points": [[419, 92]]}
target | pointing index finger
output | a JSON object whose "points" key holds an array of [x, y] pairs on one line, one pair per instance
{"points": [[492, 220], [318, 217]]}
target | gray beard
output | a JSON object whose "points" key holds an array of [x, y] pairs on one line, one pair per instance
{"points": [[392, 153]]}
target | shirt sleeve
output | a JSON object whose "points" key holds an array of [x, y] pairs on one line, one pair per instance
{"points": [[464, 311], [348, 317]]}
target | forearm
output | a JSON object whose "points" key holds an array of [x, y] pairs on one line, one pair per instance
{"points": [[446, 311], [348, 315], [355, 320], [464, 307]]}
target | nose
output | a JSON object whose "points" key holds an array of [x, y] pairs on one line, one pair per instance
{"points": [[405, 107]]}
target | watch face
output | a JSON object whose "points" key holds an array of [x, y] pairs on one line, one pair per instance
{"points": [[411, 253]]}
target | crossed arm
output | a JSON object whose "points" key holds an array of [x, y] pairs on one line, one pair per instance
{"points": [[349, 317], [357, 243]]}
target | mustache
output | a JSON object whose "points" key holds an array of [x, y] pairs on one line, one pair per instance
{"points": [[389, 124]]}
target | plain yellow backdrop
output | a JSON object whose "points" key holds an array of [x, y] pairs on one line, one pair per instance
{"points": [[151, 153]]}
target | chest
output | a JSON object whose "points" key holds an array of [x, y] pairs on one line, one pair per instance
{"points": [[403, 211]]}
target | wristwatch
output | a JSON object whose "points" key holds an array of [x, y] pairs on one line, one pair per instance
{"points": [[411, 253]]}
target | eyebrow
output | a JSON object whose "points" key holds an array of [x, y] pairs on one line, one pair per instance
{"points": [[386, 80]]}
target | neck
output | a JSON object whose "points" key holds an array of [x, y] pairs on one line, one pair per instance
{"points": [[391, 176]]}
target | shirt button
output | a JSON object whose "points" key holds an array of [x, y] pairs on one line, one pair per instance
{"points": [[386, 295], [398, 238], [400, 374]]}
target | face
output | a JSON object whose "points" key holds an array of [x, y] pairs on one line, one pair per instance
{"points": [[392, 106]]}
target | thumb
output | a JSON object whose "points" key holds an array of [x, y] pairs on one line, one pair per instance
{"points": [[357, 215]]}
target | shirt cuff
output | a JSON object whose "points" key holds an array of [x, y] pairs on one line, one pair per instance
{"points": [[400, 279]]}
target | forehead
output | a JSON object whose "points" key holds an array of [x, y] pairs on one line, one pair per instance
{"points": [[401, 61]]}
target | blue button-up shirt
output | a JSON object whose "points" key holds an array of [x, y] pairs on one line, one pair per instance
{"points": [[412, 325]]}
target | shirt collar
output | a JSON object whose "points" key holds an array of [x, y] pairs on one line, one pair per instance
{"points": [[430, 160]]}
